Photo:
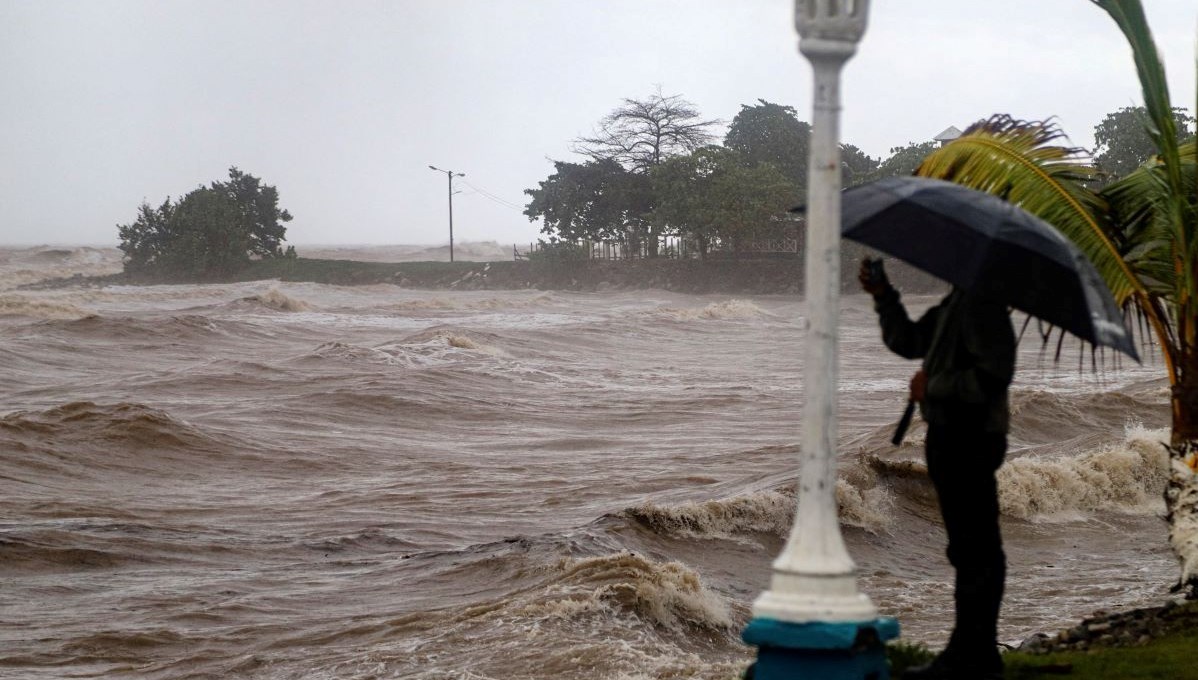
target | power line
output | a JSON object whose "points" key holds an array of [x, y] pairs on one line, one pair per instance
{"points": [[492, 197]]}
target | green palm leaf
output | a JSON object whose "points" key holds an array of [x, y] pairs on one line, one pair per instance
{"points": [[1141, 207], [1018, 161]]}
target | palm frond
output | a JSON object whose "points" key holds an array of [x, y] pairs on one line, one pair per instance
{"points": [[1018, 161], [1146, 231], [1174, 203], [1162, 128]]}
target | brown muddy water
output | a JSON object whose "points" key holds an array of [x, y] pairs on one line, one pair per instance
{"points": [[288, 480]]}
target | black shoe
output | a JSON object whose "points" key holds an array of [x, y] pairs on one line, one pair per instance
{"points": [[940, 669]]}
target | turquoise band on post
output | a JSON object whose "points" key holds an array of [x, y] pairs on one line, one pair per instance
{"points": [[840, 650]]}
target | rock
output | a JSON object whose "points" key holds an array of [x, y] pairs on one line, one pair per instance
{"points": [[1035, 644]]}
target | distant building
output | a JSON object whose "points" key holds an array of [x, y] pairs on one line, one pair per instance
{"points": [[949, 134]]}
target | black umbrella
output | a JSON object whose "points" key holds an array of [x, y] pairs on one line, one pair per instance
{"points": [[980, 242]]}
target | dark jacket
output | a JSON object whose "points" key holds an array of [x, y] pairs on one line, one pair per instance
{"points": [[968, 348]]}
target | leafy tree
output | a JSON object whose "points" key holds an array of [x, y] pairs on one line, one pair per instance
{"points": [[641, 133], [714, 194], [903, 160], [772, 133], [143, 240], [610, 197], [1123, 143], [591, 200], [855, 166], [1141, 233], [213, 230]]}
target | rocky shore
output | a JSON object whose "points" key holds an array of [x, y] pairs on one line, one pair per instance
{"points": [[1131, 628]]}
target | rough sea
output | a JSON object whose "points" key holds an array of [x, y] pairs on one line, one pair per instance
{"points": [[276, 480]]}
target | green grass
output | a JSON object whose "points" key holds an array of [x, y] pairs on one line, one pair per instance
{"points": [[1172, 656], [1168, 658]]}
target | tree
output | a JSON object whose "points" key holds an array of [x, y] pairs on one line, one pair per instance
{"points": [[714, 193], [213, 230], [641, 133], [1141, 233], [855, 166], [903, 160], [591, 201], [772, 133], [610, 197], [1122, 142]]}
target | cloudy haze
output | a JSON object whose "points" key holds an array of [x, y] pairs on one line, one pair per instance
{"points": [[343, 106]]}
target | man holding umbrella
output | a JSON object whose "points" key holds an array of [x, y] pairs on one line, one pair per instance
{"points": [[996, 256], [967, 345]]}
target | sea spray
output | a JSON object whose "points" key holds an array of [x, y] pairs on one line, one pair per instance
{"points": [[1127, 477]]}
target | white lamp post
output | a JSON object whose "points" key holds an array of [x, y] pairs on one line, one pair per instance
{"points": [[812, 620], [814, 577]]}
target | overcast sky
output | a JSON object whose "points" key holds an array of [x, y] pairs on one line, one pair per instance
{"points": [[344, 105]]}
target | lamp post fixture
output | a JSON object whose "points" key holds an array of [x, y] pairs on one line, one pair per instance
{"points": [[450, 174], [811, 621]]}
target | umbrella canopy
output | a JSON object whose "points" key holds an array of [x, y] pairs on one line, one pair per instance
{"points": [[980, 242]]}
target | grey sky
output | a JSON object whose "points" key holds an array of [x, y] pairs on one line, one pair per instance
{"points": [[343, 106]]}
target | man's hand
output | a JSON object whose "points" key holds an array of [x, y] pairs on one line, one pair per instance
{"points": [[919, 386], [873, 277]]}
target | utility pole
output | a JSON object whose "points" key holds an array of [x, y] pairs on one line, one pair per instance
{"points": [[450, 174]]}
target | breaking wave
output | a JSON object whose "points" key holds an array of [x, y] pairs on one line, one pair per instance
{"points": [[728, 310], [668, 594], [1127, 477], [769, 512], [16, 305], [278, 301], [485, 343], [421, 350]]}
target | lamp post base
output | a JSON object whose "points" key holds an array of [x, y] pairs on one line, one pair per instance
{"points": [[820, 650]]}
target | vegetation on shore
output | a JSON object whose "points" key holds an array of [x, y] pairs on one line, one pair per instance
{"points": [[1139, 644], [213, 231], [758, 276]]}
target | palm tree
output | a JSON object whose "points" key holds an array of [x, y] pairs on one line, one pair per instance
{"points": [[1140, 231]]}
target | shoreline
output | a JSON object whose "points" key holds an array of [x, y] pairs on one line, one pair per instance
{"points": [[757, 276]]}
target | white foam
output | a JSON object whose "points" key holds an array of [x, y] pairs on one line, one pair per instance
{"points": [[277, 299], [1127, 477], [665, 593], [734, 309]]}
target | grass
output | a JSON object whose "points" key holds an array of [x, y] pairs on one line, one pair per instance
{"points": [[1170, 656], [1167, 658]]}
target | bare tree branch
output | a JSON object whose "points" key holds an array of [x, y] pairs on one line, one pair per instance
{"points": [[640, 134]]}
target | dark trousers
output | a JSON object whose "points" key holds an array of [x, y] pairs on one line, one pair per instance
{"points": [[962, 461]]}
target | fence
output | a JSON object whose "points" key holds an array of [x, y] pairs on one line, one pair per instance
{"points": [[675, 247]]}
